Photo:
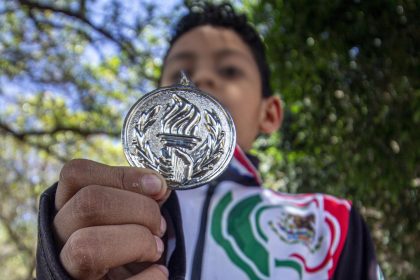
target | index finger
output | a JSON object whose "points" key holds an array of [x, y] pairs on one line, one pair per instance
{"points": [[79, 173]]}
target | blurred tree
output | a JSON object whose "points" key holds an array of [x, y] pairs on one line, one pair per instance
{"points": [[348, 72]]}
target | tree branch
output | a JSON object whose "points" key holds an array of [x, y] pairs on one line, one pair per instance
{"points": [[82, 7], [23, 136], [121, 42], [80, 131]]}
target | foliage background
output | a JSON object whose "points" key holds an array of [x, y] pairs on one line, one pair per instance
{"points": [[348, 72]]}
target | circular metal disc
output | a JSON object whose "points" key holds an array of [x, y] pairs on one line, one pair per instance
{"points": [[182, 133]]}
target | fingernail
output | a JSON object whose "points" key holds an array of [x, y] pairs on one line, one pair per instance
{"points": [[163, 269], [159, 245], [151, 184], [162, 226]]}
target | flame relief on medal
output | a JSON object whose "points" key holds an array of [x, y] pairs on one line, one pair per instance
{"points": [[184, 156]]}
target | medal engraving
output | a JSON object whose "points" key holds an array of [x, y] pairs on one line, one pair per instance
{"points": [[182, 133]]}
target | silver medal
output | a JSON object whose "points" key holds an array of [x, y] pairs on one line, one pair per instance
{"points": [[182, 133]]}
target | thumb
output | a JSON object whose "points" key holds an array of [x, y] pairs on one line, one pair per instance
{"points": [[156, 272]]}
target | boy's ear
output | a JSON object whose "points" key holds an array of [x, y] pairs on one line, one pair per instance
{"points": [[271, 115]]}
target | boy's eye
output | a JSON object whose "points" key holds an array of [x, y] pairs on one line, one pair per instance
{"points": [[230, 72]]}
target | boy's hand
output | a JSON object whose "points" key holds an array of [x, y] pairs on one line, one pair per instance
{"points": [[109, 217]]}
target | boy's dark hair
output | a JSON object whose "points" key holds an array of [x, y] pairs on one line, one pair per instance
{"points": [[223, 15]]}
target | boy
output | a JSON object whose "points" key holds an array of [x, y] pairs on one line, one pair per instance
{"points": [[103, 222]]}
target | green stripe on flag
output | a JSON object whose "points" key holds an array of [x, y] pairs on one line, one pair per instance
{"points": [[217, 233], [289, 263]]}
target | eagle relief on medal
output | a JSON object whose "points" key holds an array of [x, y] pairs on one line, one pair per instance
{"points": [[182, 133]]}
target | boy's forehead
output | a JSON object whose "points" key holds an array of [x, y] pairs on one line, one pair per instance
{"points": [[209, 40]]}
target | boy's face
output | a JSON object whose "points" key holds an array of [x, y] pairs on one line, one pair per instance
{"points": [[221, 64]]}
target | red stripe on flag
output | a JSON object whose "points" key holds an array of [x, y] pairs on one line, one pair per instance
{"points": [[242, 158]]}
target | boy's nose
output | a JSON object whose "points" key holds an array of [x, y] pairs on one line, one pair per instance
{"points": [[204, 79]]}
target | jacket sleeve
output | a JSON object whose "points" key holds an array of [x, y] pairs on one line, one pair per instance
{"points": [[357, 260], [48, 265]]}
